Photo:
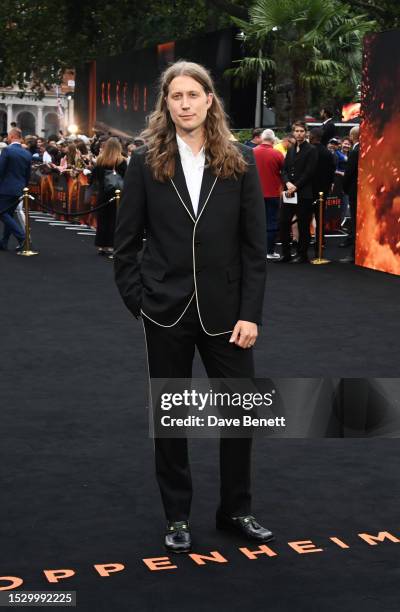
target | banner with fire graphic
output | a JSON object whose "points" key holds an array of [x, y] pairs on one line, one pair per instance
{"points": [[378, 215]]}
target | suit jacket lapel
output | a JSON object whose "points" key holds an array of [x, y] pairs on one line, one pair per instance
{"points": [[206, 187], [180, 184]]}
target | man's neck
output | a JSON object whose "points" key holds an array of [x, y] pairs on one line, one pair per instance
{"points": [[194, 139]]}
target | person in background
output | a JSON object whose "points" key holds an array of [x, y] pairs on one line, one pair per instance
{"points": [[323, 177], [350, 186], [15, 171], [328, 125], [269, 165], [344, 209], [110, 161], [86, 156], [284, 145], [298, 174], [346, 147], [255, 138]]}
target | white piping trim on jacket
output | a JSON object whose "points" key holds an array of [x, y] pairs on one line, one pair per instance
{"points": [[172, 324], [195, 221]]}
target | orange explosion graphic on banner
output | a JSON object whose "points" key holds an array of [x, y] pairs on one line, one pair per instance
{"points": [[378, 216]]}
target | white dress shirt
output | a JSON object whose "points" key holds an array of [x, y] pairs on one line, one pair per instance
{"points": [[193, 169]]}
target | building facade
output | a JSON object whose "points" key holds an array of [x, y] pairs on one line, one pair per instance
{"points": [[44, 117]]}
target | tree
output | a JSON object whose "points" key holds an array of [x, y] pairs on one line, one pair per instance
{"points": [[318, 41], [40, 38], [386, 13]]}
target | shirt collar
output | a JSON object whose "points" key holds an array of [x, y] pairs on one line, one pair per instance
{"points": [[15, 143], [185, 150]]}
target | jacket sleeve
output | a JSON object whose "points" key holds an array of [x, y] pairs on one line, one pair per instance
{"points": [[310, 167], [28, 171], [3, 163], [253, 236], [350, 174], [285, 169], [128, 239]]}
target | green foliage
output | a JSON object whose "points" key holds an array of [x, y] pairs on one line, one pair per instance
{"points": [[320, 40], [40, 38], [242, 135]]}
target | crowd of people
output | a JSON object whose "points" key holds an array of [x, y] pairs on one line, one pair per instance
{"points": [[101, 159], [293, 170]]}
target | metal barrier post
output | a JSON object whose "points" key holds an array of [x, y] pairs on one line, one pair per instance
{"points": [[27, 249], [320, 260]]}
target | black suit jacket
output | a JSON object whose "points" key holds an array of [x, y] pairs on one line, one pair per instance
{"points": [[350, 178], [217, 258], [299, 168], [324, 172], [15, 171], [328, 131]]}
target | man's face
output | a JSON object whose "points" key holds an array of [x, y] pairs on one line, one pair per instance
{"points": [[257, 139], [299, 134], [346, 146], [187, 103], [353, 138]]}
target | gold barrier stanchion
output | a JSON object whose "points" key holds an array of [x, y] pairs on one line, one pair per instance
{"points": [[117, 197], [320, 260], [27, 250]]}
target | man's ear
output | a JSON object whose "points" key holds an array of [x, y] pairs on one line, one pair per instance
{"points": [[209, 99]]}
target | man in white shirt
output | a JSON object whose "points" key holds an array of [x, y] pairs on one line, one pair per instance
{"points": [[200, 281]]}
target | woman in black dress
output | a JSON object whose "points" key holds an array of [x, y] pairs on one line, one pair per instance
{"points": [[109, 162]]}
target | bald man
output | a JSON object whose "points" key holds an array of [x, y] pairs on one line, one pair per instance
{"points": [[15, 170]]}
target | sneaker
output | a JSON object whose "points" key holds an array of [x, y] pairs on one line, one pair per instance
{"points": [[273, 255]]}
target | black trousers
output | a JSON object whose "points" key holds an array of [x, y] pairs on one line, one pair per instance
{"points": [[170, 355], [303, 210]]}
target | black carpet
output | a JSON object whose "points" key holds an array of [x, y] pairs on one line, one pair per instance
{"points": [[77, 483]]}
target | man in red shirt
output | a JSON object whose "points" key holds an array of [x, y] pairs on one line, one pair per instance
{"points": [[269, 165]]}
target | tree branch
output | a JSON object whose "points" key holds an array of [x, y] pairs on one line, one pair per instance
{"points": [[366, 6], [231, 9]]}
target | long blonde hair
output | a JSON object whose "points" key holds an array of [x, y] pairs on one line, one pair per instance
{"points": [[111, 154], [223, 156]]}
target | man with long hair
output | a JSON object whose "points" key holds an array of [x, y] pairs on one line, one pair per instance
{"points": [[201, 278]]}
